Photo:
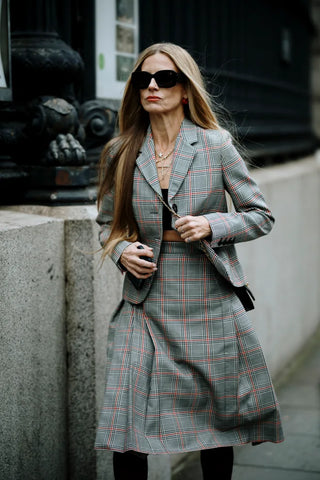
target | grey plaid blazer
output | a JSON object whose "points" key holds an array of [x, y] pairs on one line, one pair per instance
{"points": [[205, 165]]}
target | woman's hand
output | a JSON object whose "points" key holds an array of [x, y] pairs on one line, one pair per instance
{"points": [[131, 260], [192, 228]]}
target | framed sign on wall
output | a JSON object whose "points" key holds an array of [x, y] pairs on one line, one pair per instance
{"points": [[5, 58]]}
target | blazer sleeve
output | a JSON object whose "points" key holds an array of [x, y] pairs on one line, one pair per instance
{"points": [[104, 220], [251, 218]]}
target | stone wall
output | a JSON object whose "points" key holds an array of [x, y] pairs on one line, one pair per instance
{"points": [[56, 302], [284, 267]]}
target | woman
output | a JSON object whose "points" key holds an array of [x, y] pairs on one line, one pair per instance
{"points": [[185, 368]]}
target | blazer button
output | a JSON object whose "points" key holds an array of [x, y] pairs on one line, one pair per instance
{"points": [[174, 207]]}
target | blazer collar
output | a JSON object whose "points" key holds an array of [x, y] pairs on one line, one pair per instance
{"points": [[183, 156]]}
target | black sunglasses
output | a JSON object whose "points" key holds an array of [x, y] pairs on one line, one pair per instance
{"points": [[163, 78]]}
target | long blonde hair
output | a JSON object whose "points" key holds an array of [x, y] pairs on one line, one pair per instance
{"points": [[119, 155]]}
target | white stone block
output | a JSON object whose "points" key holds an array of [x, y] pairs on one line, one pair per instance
{"points": [[32, 347]]}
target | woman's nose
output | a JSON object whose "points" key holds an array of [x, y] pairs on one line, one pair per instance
{"points": [[153, 84]]}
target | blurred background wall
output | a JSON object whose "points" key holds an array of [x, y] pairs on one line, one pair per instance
{"points": [[63, 69]]}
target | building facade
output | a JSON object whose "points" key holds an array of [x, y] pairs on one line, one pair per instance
{"points": [[70, 60]]}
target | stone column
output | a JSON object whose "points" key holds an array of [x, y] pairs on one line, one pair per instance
{"points": [[33, 375]]}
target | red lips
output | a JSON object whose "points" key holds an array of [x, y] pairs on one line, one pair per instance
{"points": [[152, 98]]}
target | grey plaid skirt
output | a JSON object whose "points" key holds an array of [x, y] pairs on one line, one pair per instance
{"points": [[185, 370]]}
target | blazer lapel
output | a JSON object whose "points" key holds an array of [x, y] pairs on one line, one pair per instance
{"points": [[146, 162], [183, 156]]}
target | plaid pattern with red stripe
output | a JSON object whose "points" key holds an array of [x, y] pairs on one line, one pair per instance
{"points": [[205, 165], [185, 368]]}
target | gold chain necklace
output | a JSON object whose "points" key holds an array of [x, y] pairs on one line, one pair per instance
{"points": [[165, 168], [162, 156]]}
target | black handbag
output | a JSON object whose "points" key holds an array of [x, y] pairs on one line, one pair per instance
{"points": [[245, 296]]}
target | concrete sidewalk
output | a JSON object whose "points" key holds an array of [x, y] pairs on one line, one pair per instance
{"points": [[298, 457]]}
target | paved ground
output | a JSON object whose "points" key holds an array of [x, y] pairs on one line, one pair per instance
{"points": [[298, 457]]}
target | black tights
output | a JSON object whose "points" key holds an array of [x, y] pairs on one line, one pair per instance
{"points": [[130, 465], [216, 464]]}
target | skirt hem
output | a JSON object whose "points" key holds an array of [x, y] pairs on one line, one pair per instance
{"points": [[185, 450]]}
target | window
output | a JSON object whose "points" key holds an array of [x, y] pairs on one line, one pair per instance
{"points": [[116, 45]]}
